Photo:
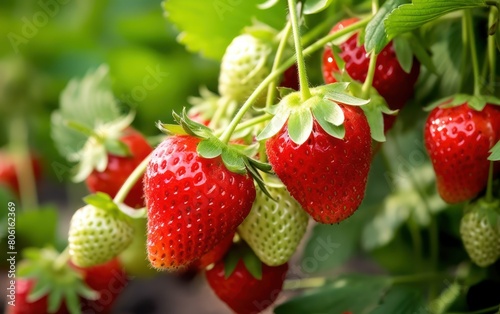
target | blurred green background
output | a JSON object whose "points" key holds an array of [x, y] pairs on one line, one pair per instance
{"points": [[46, 43]]}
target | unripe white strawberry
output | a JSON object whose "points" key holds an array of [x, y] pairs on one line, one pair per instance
{"points": [[97, 235], [480, 232], [274, 228], [245, 64]]}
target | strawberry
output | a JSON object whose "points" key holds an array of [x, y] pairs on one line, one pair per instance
{"points": [[214, 255], [193, 202], [244, 293], [98, 234], [274, 228], [23, 287], [109, 280], [291, 78], [480, 232], [8, 174], [458, 139], [245, 64], [119, 168], [325, 174], [390, 80]]}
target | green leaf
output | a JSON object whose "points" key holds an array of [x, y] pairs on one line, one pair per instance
{"points": [[375, 118], [354, 293], [252, 263], [233, 161], [208, 149], [300, 126], [404, 53], [208, 27], [275, 125], [330, 246], [411, 16], [230, 262], [401, 300], [268, 4], [477, 103], [171, 129], [89, 102], [421, 53], [333, 130], [495, 152], [315, 6], [329, 111], [283, 91], [100, 200], [375, 35], [347, 99]]}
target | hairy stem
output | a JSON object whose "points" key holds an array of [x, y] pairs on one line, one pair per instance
{"points": [[472, 46], [365, 90], [301, 65], [271, 90]]}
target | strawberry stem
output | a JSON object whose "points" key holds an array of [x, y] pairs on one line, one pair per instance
{"points": [[131, 180], [365, 90], [468, 22], [304, 83], [492, 49], [219, 112], [271, 90], [489, 186], [18, 145], [319, 44], [62, 259]]}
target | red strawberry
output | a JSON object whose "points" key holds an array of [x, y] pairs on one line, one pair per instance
{"points": [[109, 280], [119, 168], [243, 293], [23, 306], [326, 175], [291, 78], [458, 140], [8, 175], [214, 255], [193, 202], [390, 80]]}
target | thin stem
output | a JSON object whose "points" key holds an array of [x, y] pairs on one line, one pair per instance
{"points": [[62, 259], [271, 90], [219, 112], [416, 239], [18, 142], [487, 310], [131, 180], [492, 49], [472, 45], [365, 90], [375, 6], [489, 186], [322, 27], [319, 44], [301, 65], [305, 283]]}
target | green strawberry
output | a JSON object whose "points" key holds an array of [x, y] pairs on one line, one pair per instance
{"points": [[245, 64], [98, 233], [274, 228], [480, 231]]}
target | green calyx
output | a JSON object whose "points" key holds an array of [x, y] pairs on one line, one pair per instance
{"points": [[487, 209], [241, 251], [323, 106], [237, 158], [104, 201], [59, 283]]}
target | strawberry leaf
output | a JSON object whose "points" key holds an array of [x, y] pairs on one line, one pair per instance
{"points": [[373, 112], [315, 6], [404, 53], [300, 126], [420, 51], [233, 161], [275, 125], [329, 111], [333, 130], [218, 22], [252, 263], [375, 34], [495, 152], [171, 129], [208, 149], [231, 261], [346, 99], [411, 16]]}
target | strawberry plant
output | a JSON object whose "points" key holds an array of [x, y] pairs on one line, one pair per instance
{"points": [[341, 157]]}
